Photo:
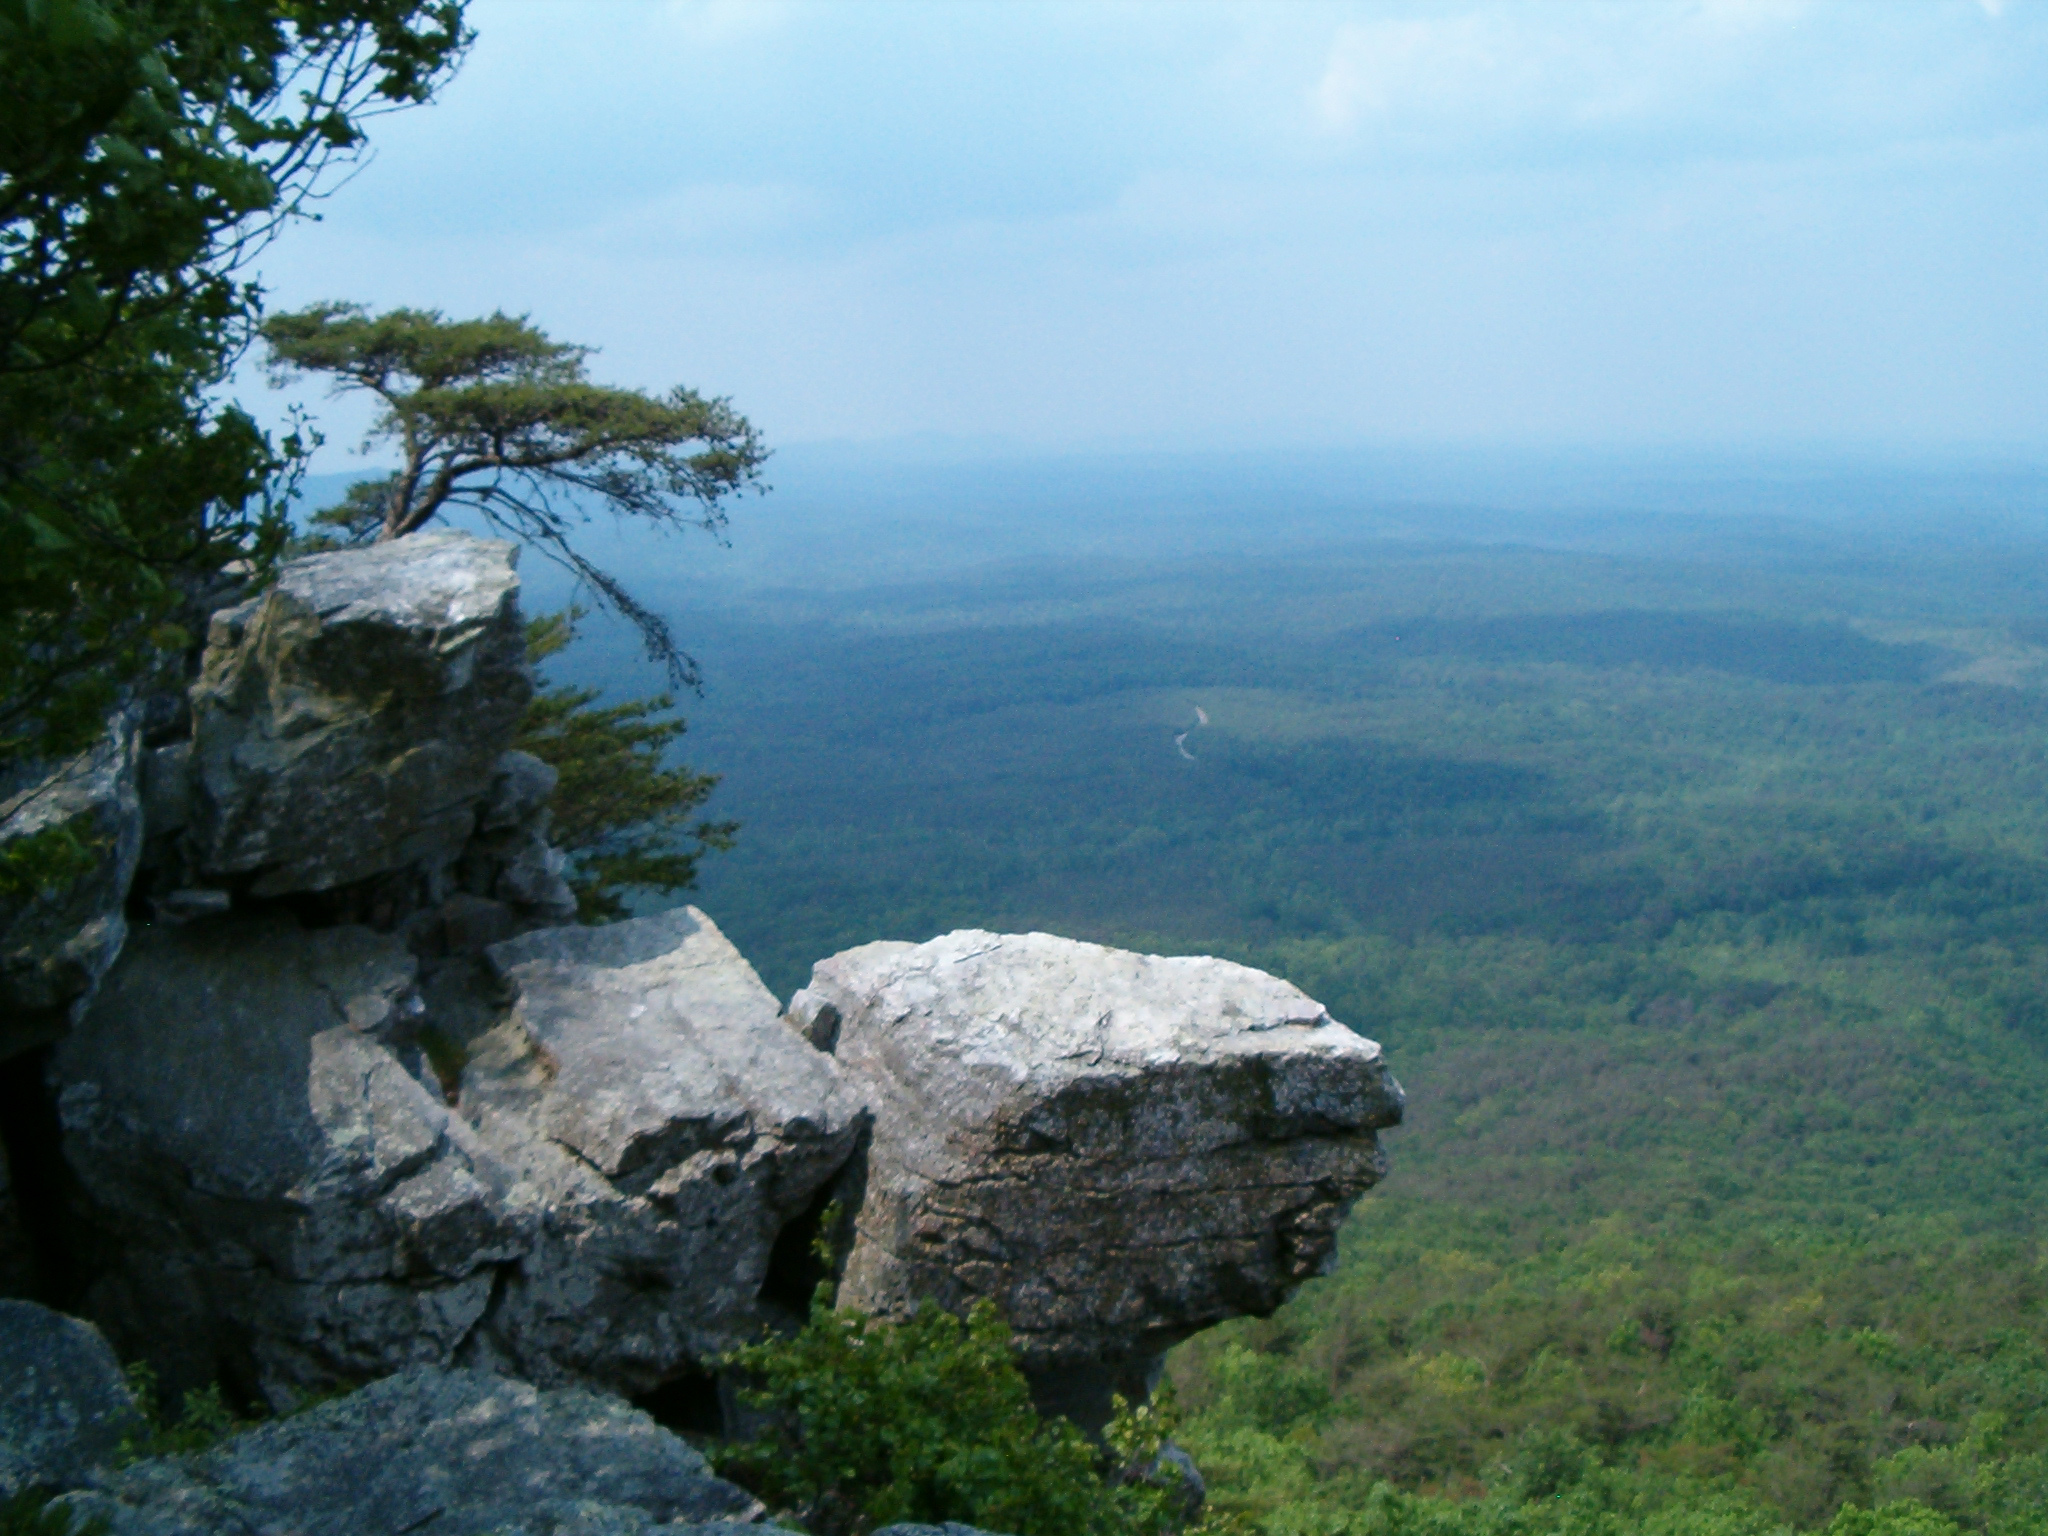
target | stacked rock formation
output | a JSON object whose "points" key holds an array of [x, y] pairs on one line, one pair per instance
{"points": [[340, 1094]]}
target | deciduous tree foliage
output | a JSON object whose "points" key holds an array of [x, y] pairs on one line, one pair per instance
{"points": [[925, 1420], [493, 416], [146, 146]]}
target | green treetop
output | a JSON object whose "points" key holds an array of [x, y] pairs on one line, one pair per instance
{"points": [[493, 416]]}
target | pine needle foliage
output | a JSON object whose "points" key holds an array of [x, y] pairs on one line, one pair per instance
{"points": [[624, 818], [492, 416]]}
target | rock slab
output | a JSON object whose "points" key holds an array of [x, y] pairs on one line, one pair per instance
{"points": [[1117, 1149], [644, 1086], [457, 1453], [273, 1193], [64, 1408], [281, 1187], [348, 721], [56, 943]]}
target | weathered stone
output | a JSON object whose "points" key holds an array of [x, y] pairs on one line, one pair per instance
{"points": [[671, 1125], [349, 720], [1118, 1149], [273, 1191], [64, 1408], [56, 943], [520, 788], [166, 791], [281, 1187], [457, 1453]]}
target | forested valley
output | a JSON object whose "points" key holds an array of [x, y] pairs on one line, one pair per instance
{"points": [[1688, 855]]}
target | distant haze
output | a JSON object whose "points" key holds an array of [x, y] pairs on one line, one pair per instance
{"points": [[1263, 227]]}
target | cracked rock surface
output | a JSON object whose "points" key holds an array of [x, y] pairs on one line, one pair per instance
{"points": [[455, 1453], [645, 1087], [1118, 1149], [271, 1191], [348, 721], [279, 1188]]}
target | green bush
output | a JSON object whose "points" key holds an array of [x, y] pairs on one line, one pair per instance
{"points": [[202, 1421], [872, 1422]]}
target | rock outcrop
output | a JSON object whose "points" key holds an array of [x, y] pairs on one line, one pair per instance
{"points": [[457, 1453], [56, 943], [259, 1116], [1117, 1149], [669, 1126], [348, 721], [64, 1408], [351, 1103], [272, 1191]]}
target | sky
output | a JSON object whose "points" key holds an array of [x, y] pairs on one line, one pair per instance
{"points": [[1725, 224]]}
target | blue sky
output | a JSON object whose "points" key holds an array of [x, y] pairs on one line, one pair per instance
{"points": [[1723, 223]]}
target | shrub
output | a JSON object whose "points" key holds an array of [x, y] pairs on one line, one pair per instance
{"points": [[927, 1420]]}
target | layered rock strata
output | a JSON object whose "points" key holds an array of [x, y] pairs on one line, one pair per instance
{"points": [[1117, 1149]]}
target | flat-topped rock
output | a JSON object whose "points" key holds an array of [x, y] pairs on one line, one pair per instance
{"points": [[349, 720], [645, 1086], [1118, 1149], [458, 1453]]}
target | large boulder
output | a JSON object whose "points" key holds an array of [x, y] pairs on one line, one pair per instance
{"points": [[273, 1193], [64, 1407], [348, 721], [58, 939], [1117, 1149], [672, 1128], [260, 1117], [457, 1453]]}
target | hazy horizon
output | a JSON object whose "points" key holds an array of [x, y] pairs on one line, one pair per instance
{"points": [[1758, 224]]}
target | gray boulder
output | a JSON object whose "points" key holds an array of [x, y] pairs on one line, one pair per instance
{"points": [[1118, 1149], [56, 944], [284, 1184], [509, 860], [272, 1190], [349, 720], [457, 1453], [671, 1127], [64, 1408]]}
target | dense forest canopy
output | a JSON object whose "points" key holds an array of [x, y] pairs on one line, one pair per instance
{"points": [[1694, 882]]}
